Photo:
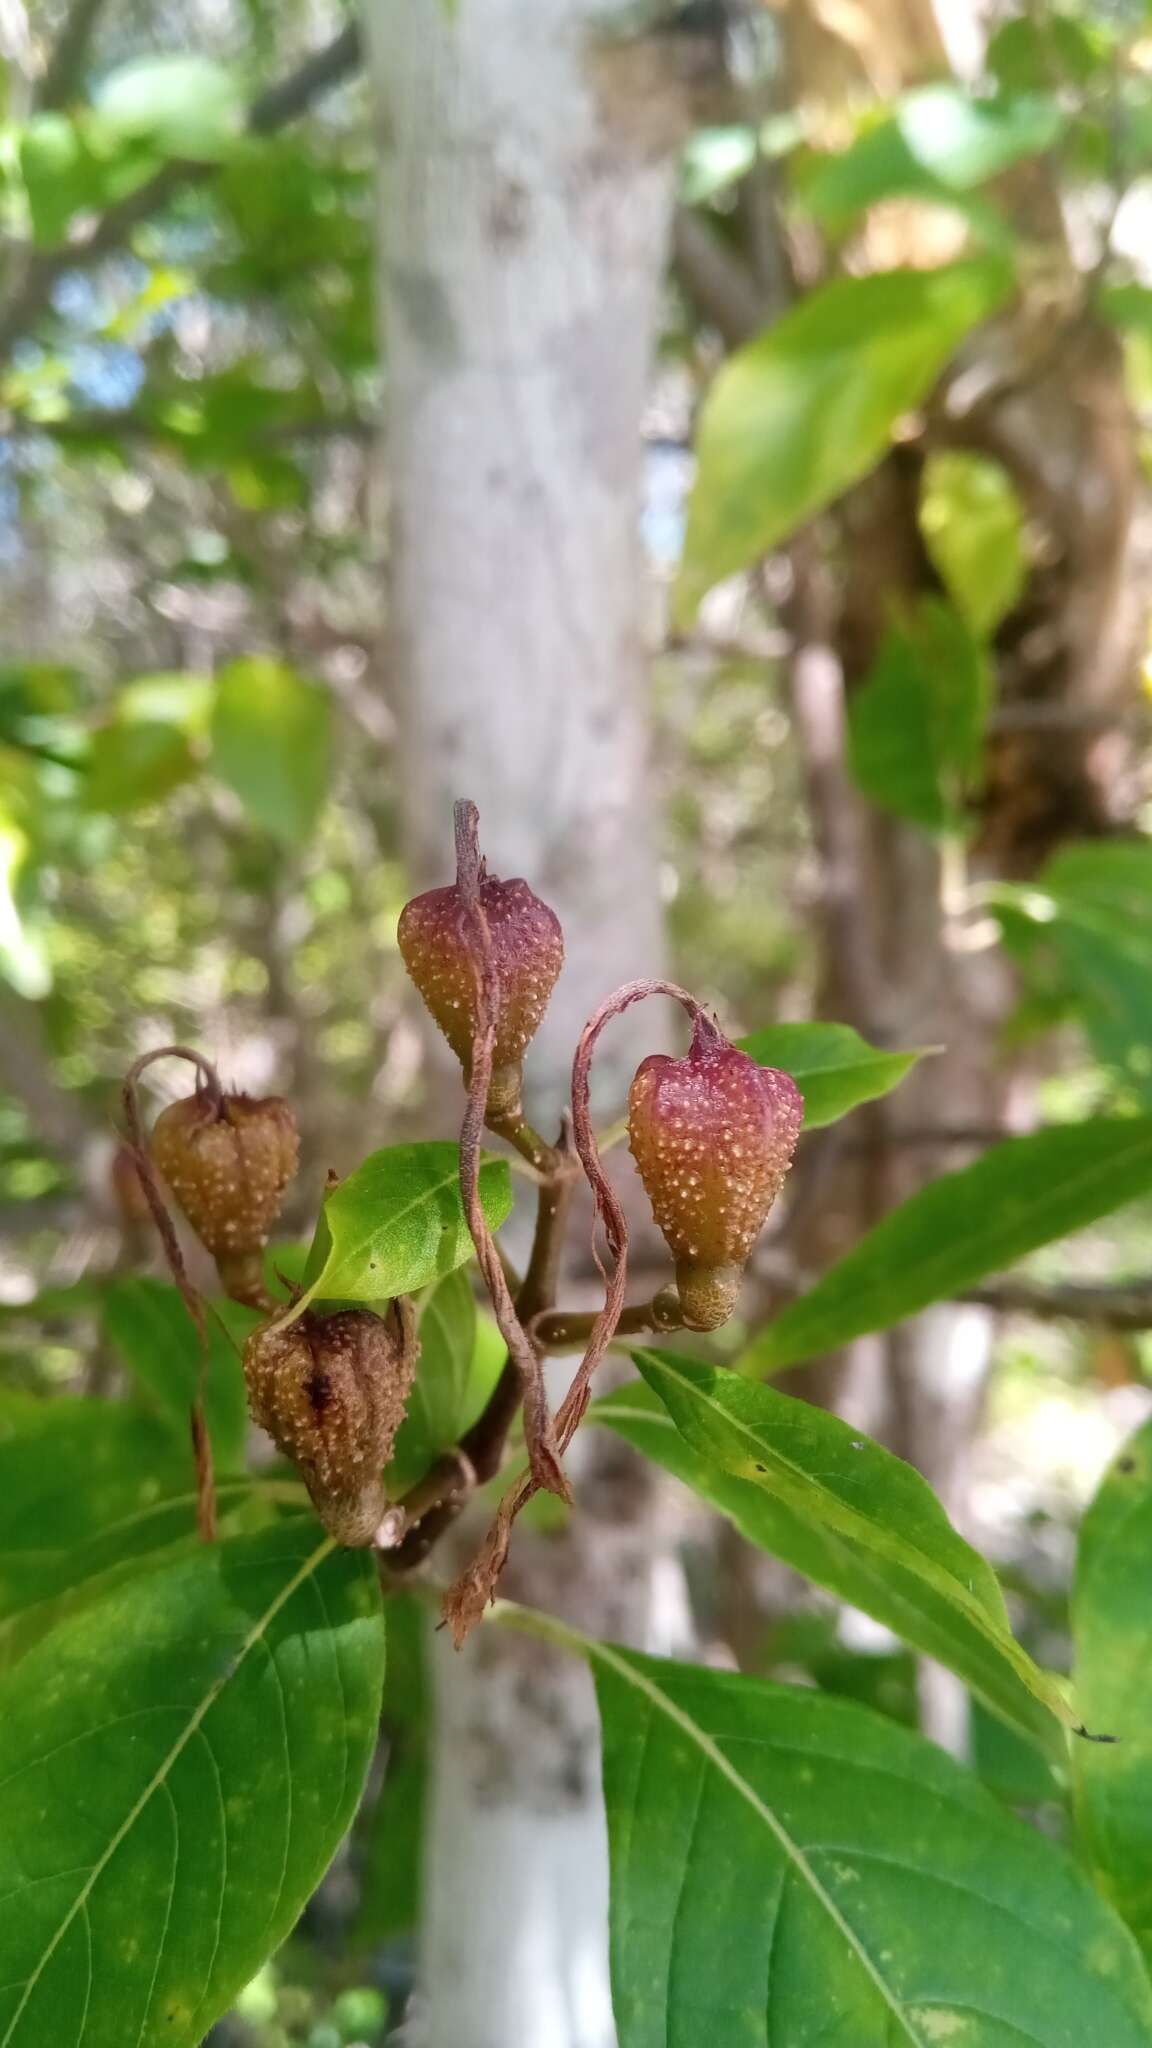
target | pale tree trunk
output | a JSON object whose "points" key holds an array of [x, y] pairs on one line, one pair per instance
{"points": [[527, 178]]}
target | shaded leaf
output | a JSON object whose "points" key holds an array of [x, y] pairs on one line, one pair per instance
{"points": [[833, 1067], [916, 723], [801, 1484], [272, 743], [788, 1868], [137, 762], [1113, 1675], [1020, 1195], [803, 411], [180, 1764], [154, 1334], [393, 1835], [397, 1223]]}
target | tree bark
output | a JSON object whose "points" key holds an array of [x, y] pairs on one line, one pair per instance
{"points": [[526, 197]]}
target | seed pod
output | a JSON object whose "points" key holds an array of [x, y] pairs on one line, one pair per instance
{"points": [[331, 1393], [713, 1136], [228, 1163], [528, 952]]}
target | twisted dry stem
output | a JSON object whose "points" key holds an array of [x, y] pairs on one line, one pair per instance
{"points": [[465, 1601], [539, 1431], [208, 1083]]}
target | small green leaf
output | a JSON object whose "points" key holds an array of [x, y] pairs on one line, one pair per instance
{"points": [[447, 1332], [790, 1868], [833, 1067], [154, 1334], [801, 413], [916, 723], [397, 1223], [272, 743], [1020, 1195], [1111, 1633], [183, 106], [939, 144], [57, 175], [180, 1764], [973, 526], [801, 1484]]}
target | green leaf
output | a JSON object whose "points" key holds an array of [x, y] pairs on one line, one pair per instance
{"points": [[392, 1849], [973, 526], [1020, 1195], [789, 1868], [133, 763], [272, 744], [84, 1485], [447, 1342], [397, 1223], [940, 143], [1111, 1633], [1083, 931], [154, 1334], [57, 175], [801, 1484], [180, 1764], [916, 723], [802, 412], [183, 106], [833, 1067]]}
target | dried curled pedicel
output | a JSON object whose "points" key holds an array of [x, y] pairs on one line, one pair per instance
{"points": [[527, 950], [228, 1160], [713, 1136], [331, 1393]]}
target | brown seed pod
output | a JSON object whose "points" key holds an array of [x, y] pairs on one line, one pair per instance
{"points": [[527, 952], [228, 1163], [713, 1136], [331, 1392]]}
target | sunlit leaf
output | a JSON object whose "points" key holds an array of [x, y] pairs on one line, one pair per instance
{"points": [[397, 1224], [824, 1498], [1020, 1195], [183, 106], [180, 1763], [802, 412], [833, 1067], [973, 526]]}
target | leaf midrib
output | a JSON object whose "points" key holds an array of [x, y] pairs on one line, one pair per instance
{"points": [[160, 1776], [715, 1755], [933, 1264], [923, 1567]]}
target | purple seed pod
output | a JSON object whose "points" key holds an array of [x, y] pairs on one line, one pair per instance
{"points": [[713, 1136], [438, 950]]}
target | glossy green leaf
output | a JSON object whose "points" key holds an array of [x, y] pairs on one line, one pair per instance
{"points": [[833, 1067], [397, 1223], [973, 526], [1113, 1642], [1020, 1195], [801, 1484], [179, 1766], [152, 1331], [916, 723], [803, 411], [272, 744], [182, 106], [790, 1870]]}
